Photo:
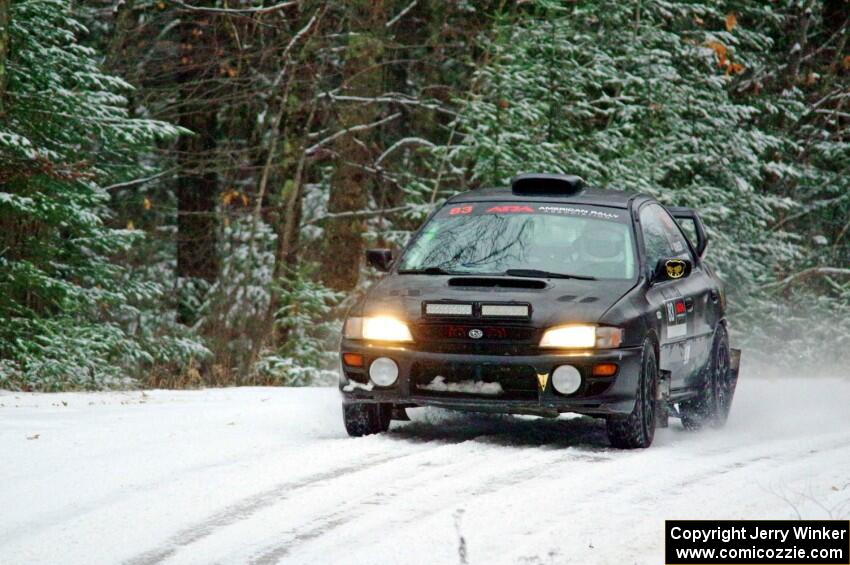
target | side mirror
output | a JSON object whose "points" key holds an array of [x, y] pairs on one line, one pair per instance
{"points": [[671, 269], [381, 259]]}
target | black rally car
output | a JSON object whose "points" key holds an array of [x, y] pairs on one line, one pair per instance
{"points": [[544, 298]]}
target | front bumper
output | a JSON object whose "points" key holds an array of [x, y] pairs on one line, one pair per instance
{"points": [[596, 396]]}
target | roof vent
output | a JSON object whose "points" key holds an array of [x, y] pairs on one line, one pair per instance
{"points": [[546, 183]]}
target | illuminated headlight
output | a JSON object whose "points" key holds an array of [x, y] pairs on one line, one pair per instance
{"points": [[377, 328], [581, 337]]}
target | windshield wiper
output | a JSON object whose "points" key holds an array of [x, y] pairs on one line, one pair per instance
{"points": [[425, 271], [546, 274]]}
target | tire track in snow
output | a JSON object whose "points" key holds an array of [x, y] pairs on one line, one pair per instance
{"points": [[74, 510], [771, 456], [327, 523], [654, 490], [245, 508], [496, 437], [497, 440], [489, 433], [658, 493]]}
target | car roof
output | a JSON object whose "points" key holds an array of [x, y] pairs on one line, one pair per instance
{"points": [[588, 196]]}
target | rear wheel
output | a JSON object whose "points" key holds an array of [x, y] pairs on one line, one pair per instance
{"points": [[364, 419], [711, 406], [637, 429]]}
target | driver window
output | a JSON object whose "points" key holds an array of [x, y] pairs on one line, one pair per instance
{"points": [[661, 236]]}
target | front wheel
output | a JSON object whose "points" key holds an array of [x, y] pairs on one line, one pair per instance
{"points": [[637, 429], [363, 419]]}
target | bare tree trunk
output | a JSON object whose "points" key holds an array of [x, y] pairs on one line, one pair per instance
{"points": [[799, 47], [197, 187], [124, 22], [351, 184], [5, 20], [197, 183]]}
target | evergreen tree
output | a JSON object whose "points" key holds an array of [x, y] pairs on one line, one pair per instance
{"points": [[801, 87], [69, 314]]}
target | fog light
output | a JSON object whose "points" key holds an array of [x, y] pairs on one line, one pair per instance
{"points": [[383, 371], [566, 379]]}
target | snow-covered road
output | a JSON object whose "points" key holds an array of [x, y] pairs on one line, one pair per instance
{"points": [[260, 475]]}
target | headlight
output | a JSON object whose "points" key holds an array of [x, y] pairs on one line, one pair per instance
{"points": [[581, 337], [377, 328]]}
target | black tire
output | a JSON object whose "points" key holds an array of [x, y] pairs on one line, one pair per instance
{"points": [[637, 429], [366, 419], [711, 406]]}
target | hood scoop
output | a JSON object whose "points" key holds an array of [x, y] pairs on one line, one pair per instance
{"points": [[499, 282]]}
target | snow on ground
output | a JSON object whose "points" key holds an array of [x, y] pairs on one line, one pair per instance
{"points": [[265, 475]]}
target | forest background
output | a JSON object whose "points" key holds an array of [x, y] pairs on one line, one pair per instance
{"points": [[187, 188]]}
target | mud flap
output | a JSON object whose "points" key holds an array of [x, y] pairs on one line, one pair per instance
{"points": [[734, 367], [662, 398], [399, 413]]}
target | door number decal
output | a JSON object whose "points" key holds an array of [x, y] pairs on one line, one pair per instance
{"points": [[677, 318]]}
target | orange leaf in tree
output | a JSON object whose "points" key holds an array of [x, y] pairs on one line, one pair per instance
{"points": [[847, 62], [720, 51], [245, 200], [147, 204], [227, 197], [734, 69], [731, 21], [130, 225]]}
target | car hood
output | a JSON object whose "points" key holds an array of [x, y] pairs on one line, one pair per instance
{"points": [[553, 301]]}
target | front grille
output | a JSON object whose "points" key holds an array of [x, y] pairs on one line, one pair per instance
{"points": [[479, 380], [495, 339]]}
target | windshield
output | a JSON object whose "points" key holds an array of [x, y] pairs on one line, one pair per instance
{"points": [[493, 238]]}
